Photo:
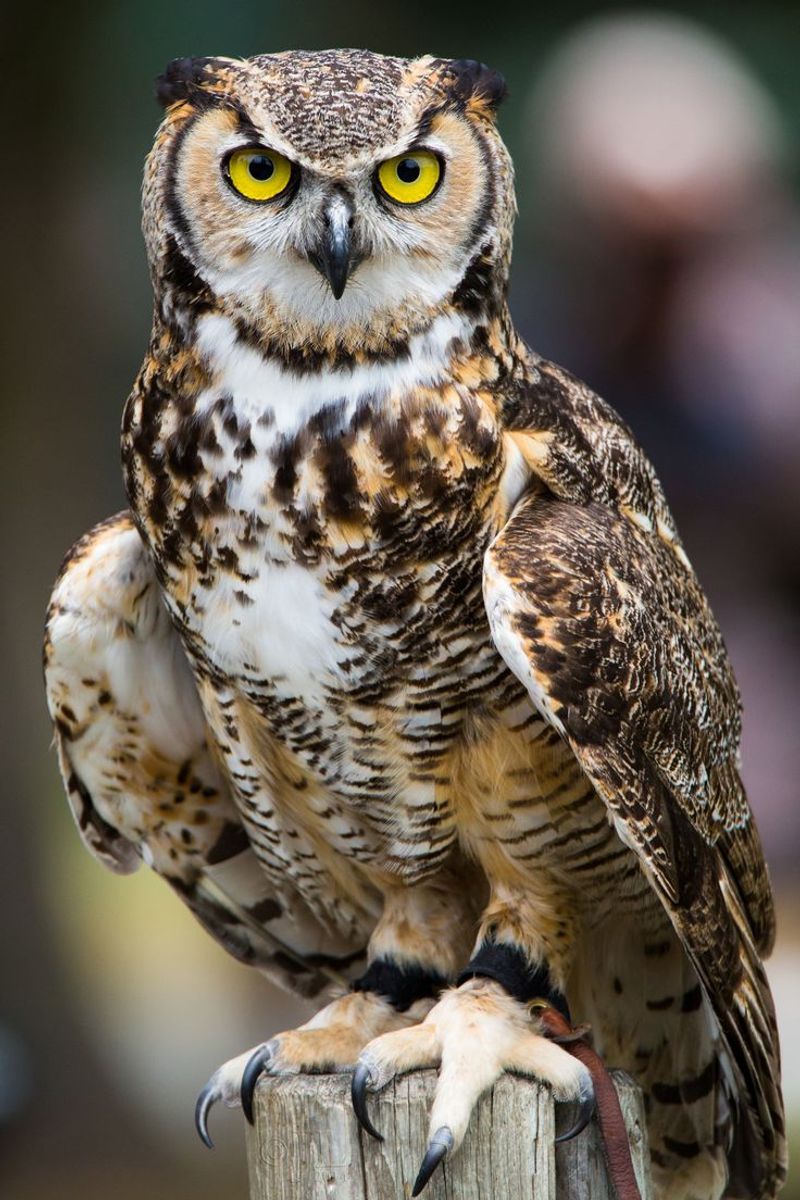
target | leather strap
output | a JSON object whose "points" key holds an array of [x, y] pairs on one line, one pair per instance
{"points": [[614, 1135]]}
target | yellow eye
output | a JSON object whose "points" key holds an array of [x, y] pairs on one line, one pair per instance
{"points": [[410, 177], [259, 174]]}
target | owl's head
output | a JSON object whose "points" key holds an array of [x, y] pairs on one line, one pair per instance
{"points": [[339, 193]]}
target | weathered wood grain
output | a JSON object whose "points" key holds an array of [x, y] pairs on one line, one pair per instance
{"points": [[307, 1145]]}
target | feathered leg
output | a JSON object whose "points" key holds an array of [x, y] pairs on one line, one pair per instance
{"points": [[414, 951], [489, 1023]]}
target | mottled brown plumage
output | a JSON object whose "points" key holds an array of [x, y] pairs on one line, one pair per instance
{"points": [[399, 648]]}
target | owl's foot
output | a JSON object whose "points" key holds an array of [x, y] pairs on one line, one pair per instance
{"points": [[330, 1042], [474, 1034]]}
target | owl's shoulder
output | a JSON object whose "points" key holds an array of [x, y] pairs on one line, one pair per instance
{"points": [[578, 444]]}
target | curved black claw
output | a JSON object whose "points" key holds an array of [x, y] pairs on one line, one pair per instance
{"points": [[205, 1101], [438, 1147], [358, 1094], [256, 1064], [586, 1106]]}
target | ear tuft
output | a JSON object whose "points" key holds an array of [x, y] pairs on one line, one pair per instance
{"points": [[183, 78], [479, 88]]}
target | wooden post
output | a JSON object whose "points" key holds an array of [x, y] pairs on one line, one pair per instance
{"points": [[307, 1145]]}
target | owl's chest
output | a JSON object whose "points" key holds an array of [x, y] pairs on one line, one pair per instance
{"points": [[308, 554]]}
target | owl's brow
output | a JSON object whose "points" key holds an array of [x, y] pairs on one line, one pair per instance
{"points": [[203, 101], [244, 122], [426, 120]]}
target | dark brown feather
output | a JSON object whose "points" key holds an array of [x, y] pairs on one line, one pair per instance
{"points": [[590, 584]]}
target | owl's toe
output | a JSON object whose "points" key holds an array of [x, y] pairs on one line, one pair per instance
{"points": [[586, 1108], [362, 1080], [205, 1102], [394, 1053], [474, 1034], [439, 1147], [257, 1064], [224, 1085], [330, 1042]]}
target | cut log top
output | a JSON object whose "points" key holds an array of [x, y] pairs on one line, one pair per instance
{"points": [[307, 1145]]}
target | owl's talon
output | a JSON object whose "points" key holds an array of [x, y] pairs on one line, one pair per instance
{"points": [[256, 1065], [362, 1077], [586, 1107], [205, 1102], [438, 1148]]}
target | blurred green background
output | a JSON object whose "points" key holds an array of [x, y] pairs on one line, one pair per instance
{"points": [[658, 255]]}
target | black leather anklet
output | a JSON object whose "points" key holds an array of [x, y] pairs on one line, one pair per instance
{"points": [[508, 966], [401, 986]]}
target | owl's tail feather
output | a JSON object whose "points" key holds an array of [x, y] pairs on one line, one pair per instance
{"points": [[751, 1059], [711, 1080]]}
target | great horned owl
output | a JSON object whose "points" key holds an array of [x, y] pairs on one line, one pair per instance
{"points": [[396, 669]]}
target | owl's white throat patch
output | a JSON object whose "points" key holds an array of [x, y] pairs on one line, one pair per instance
{"points": [[259, 386]]}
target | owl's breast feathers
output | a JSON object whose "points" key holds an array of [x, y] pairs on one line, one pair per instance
{"points": [[319, 538], [359, 470]]}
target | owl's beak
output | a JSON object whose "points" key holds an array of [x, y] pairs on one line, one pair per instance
{"points": [[334, 257]]}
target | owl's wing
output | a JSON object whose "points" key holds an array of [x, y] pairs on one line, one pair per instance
{"points": [[595, 608], [138, 765]]}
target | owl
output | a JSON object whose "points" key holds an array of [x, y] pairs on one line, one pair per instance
{"points": [[395, 668]]}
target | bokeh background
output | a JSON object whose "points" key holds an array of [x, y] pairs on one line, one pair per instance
{"points": [[657, 255]]}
